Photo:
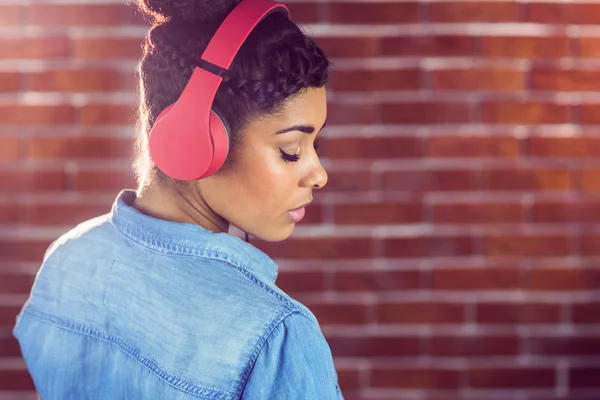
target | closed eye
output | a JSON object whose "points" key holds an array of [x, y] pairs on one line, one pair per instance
{"points": [[289, 157]]}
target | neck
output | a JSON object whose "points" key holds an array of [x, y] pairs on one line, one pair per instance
{"points": [[179, 205]]}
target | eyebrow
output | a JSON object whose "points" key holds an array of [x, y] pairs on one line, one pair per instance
{"points": [[302, 128]]}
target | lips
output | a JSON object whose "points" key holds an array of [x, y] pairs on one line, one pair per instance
{"points": [[297, 214]]}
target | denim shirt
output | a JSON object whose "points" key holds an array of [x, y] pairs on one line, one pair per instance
{"points": [[127, 306]]}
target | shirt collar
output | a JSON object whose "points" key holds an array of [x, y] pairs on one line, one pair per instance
{"points": [[186, 239]]}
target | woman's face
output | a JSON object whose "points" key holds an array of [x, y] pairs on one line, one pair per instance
{"points": [[272, 173]]}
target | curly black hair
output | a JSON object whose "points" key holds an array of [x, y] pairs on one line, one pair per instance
{"points": [[276, 61]]}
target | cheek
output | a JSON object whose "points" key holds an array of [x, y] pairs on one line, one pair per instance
{"points": [[265, 179], [257, 184]]}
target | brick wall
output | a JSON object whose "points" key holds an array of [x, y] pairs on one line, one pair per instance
{"points": [[454, 254]]}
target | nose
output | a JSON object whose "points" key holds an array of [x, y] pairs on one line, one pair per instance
{"points": [[318, 176]]}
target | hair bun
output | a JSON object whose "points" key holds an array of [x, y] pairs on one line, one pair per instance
{"points": [[186, 10]]}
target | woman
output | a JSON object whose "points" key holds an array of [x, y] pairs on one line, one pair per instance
{"points": [[155, 300]]}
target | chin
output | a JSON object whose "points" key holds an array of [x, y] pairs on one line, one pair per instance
{"points": [[276, 235]]}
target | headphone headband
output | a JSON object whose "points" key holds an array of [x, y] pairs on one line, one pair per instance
{"points": [[236, 27]]}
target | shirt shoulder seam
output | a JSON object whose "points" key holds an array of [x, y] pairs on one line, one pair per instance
{"points": [[277, 322]]}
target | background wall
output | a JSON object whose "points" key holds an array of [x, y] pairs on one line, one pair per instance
{"points": [[454, 253]]}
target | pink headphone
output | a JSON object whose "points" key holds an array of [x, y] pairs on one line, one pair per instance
{"points": [[189, 140]]}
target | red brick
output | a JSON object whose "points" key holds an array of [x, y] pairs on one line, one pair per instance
{"points": [[107, 114], [10, 148], [586, 313], [478, 346], [440, 395], [590, 245], [533, 47], [79, 147], [584, 377], [425, 113], [106, 48], [420, 312], [433, 246], [34, 48], [427, 46], [10, 214], [319, 248], [304, 13], [580, 211], [16, 379], [36, 115], [518, 313], [63, 214], [515, 377], [527, 246], [9, 347], [378, 213], [16, 283], [563, 345], [338, 313], [458, 11], [375, 80], [485, 278], [23, 250], [376, 280], [128, 81], [563, 278], [588, 114], [301, 281], [348, 377], [477, 213], [373, 12], [344, 113], [589, 47], [527, 179], [415, 378], [590, 180], [349, 181], [368, 345], [574, 146], [563, 13], [349, 46], [568, 80], [32, 180], [10, 15], [84, 15], [10, 82], [428, 180], [473, 146], [314, 214], [523, 112], [478, 79], [371, 147], [96, 181], [74, 80]]}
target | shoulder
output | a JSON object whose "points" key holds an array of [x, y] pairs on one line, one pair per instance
{"points": [[295, 360], [299, 329], [81, 235]]}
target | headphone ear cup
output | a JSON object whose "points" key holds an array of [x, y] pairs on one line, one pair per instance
{"points": [[163, 113], [181, 144], [220, 135]]}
